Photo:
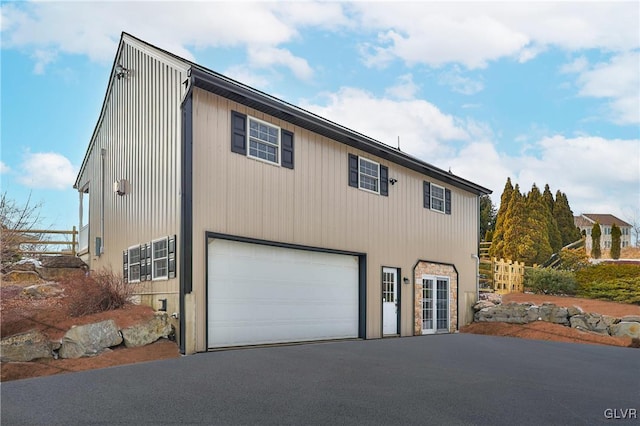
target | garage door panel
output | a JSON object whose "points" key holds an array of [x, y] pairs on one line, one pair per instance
{"points": [[263, 294]]}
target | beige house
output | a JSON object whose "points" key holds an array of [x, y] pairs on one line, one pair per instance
{"points": [[255, 222], [586, 221]]}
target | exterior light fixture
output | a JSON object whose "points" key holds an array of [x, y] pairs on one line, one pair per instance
{"points": [[405, 280], [122, 72], [393, 181]]}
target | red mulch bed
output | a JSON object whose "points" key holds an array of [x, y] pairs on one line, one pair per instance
{"points": [[51, 316]]}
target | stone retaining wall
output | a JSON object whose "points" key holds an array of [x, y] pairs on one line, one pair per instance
{"points": [[523, 313]]}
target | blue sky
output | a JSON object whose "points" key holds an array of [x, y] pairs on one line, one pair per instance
{"points": [[541, 92]]}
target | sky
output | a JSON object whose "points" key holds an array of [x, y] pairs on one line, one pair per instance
{"points": [[541, 92]]}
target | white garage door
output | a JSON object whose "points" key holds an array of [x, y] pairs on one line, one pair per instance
{"points": [[263, 294]]}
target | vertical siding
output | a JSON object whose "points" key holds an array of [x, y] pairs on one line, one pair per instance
{"points": [[140, 131], [313, 205]]}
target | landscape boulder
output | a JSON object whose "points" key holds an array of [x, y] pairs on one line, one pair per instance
{"points": [[90, 339], [64, 261], [512, 313], [593, 322], [630, 318], [574, 310], [42, 291], [22, 277], [146, 333], [625, 329], [58, 267], [25, 347], [481, 304], [555, 314]]}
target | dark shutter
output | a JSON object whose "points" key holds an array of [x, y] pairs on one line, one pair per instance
{"points": [[426, 189], [384, 181], [353, 170], [172, 257], [149, 262], [287, 149], [125, 265], [238, 133], [447, 201], [143, 262]]}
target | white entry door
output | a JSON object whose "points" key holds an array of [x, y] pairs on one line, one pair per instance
{"points": [[389, 301], [435, 305]]}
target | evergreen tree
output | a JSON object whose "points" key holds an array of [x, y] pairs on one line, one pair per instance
{"points": [[518, 244], [487, 216], [540, 228], [563, 215], [596, 232], [497, 240], [615, 241], [548, 198], [555, 237]]}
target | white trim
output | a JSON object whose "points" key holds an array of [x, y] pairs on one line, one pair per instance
{"points": [[435, 279], [153, 260], [139, 263], [278, 146], [359, 172], [444, 197]]}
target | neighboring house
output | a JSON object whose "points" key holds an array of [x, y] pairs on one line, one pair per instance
{"points": [[256, 222], [586, 221]]}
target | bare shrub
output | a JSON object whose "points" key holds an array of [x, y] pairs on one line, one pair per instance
{"points": [[98, 291]]}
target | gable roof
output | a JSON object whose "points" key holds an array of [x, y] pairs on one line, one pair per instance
{"points": [[226, 87], [590, 219]]}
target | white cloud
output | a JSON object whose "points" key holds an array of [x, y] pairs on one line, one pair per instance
{"points": [[4, 168], [474, 34], [598, 175], [404, 89], [577, 65], [617, 80], [265, 57], [93, 29], [47, 170], [465, 85], [423, 129]]}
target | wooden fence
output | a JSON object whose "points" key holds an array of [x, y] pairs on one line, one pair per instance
{"points": [[501, 276], [35, 238]]}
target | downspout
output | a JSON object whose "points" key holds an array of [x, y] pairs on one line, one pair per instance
{"points": [[103, 153]]}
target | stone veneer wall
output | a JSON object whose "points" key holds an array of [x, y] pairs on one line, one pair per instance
{"points": [[439, 270]]}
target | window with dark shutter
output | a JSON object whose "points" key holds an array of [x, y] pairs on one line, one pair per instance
{"points": [[125, 265], [426, 189], [384, 180], [149, 262], [447, 201], [238, 133], [287, 149], [353, 170], [143, 262], [172, 257]]}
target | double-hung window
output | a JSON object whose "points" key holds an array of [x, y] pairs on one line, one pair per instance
{"points": [[369, 175], [160, 259], [437, 198], [264, 141], [134, 264]]}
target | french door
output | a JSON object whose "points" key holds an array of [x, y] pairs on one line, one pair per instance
{"points": [[435, 304]]}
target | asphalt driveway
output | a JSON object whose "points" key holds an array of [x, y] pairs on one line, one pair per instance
{"points": [[440, 380]]}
